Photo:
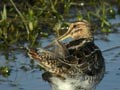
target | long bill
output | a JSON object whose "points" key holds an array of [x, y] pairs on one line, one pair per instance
{"points": [[61, 38]]}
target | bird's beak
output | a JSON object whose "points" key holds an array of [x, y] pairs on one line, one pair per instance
{"points": [[67, 34], [61, 38]]}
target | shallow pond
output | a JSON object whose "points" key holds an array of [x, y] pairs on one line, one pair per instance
{"points": [[27, 78]]}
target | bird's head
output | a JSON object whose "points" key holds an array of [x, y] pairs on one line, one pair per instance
{"points": [[77, 30]]}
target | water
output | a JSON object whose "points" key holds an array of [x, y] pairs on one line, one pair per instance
{"points": [[111, 80]]}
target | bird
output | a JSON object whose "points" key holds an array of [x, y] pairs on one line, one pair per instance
{"points": [[74, 65]]}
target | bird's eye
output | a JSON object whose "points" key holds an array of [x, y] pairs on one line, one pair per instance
{"points": [[74, 26]]}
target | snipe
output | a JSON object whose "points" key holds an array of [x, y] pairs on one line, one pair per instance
{"points": [[77, 65]]}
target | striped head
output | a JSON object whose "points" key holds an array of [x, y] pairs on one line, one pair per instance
{"points": [[77, 30]]}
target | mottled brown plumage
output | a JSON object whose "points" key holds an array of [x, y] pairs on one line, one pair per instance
{"points": [[77, 65]]}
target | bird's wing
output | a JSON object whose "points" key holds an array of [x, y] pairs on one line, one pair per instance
{"points": [[50, 61]]}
